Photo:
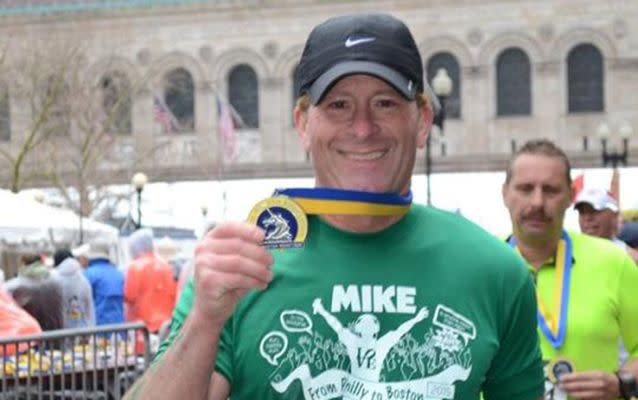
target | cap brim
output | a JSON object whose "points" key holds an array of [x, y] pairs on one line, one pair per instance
{"points": [[595, 206], [404, 86]]}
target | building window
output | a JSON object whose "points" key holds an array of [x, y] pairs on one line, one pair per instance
{"points": [[585, 79], [116, 103], [513, 83], [243, 94], [179, 96], [448, 62], [5, 116]]}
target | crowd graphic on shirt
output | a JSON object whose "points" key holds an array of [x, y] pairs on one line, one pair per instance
{"points": [[364, 360]]}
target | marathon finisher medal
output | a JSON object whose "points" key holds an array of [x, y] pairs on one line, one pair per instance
{"points": [[558, 367], [284, 221], [283, 216]]}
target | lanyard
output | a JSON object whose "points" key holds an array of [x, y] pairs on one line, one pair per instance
{"points": [[554, 324], [348, 202]]}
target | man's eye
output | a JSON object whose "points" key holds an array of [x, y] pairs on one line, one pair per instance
{"points": [[385, 103], [338, 104]]}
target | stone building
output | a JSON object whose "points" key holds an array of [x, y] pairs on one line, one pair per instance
{"points": [[521, 69]]}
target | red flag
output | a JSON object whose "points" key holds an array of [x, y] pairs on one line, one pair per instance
{"points": [[163, 115], [226, 129], [577, 185], [614, 185]]}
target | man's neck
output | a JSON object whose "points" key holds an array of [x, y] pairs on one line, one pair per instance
{"points": [[361, 223], [537, 253]]}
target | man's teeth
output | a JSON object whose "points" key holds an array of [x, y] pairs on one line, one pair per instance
{"points": [[365, 156]]}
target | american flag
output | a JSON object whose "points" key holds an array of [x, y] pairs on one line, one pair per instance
{"points": [[226, 129], [163, 115]]}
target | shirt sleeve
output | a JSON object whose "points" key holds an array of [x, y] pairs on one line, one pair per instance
{"points": [[180, 312], [224, 361], [628, 305], [517, 368]]}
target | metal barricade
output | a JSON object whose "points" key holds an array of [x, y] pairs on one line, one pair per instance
{"points": [[88, 363]]}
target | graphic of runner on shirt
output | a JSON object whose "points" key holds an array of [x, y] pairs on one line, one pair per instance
{"points": [[365, 351]]}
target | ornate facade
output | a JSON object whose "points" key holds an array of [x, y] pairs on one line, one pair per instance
{"points": [[521, 69]]}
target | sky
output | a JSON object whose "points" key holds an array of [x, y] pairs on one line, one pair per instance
{"points": [[477, 196]]}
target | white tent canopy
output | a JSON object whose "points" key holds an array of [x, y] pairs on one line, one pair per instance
{"points": [[28, 224]]}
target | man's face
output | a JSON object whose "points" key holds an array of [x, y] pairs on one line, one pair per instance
{"points": [[363, 135], [601, 223], [537, 196]]}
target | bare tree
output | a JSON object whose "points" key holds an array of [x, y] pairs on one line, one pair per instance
{"points": [[73, 114], [36, 87], [85, 161]]}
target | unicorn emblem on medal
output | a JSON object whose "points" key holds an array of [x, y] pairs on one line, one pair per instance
{"points": [[283, 220], [277, 227]]}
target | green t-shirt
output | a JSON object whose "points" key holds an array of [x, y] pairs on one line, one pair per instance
{"points": [[602, 305], [432, 307]]}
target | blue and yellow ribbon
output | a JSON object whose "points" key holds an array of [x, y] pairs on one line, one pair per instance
{"points": [[348, 202], [553, 323]]}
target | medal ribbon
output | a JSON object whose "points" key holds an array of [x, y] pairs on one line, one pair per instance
{"points": [[348, 202], [554, 324]]}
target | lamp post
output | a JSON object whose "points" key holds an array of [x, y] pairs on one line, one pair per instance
{"points": [[613, 156], [442, 87], [138, 181]]}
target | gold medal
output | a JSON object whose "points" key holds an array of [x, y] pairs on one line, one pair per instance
{"points": [[558, 367], [283, 220]]}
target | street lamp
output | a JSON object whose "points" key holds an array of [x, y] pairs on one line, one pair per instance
{"points": [[614, 157], [442, 86], [138, 181]]}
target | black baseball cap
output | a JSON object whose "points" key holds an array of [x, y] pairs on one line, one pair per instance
{"points": [[374, 44]]}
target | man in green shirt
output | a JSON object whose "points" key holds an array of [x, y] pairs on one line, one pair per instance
{"points": [[385, 300], [585, 285]]}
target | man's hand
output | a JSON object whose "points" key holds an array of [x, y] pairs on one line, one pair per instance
{"points": [[422, 314], [229, 261], [592, 385]]}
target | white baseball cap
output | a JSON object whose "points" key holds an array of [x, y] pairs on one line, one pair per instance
{"points": [[598, 198]]}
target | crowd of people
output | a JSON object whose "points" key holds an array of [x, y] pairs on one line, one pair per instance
{"points": [[84, 288], [385, 299]]}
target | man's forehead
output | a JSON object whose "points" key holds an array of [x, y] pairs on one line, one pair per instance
{"points": [[538, 167]]}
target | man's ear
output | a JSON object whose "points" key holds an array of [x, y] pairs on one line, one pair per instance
{"points": [[301, 123], [425, 125]]}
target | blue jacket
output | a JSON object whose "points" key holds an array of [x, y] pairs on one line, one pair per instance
{"points": [[107, 283]]}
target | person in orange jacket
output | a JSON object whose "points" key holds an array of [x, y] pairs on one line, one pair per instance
{"points": [[15, 322], [149, 286]]}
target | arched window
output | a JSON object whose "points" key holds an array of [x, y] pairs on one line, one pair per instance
{"points": [[585, 83], [5, 115], [179, 96], [448, 62], [513, 83], [243, 94], [116, 103]]}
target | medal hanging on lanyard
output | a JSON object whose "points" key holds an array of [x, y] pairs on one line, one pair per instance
{"points": [[283, 216], [553, 323]]}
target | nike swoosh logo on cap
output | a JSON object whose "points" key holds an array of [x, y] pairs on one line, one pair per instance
{"points": [[353, 42]]}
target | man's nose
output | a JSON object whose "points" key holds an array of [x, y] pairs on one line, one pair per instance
{"points": [[363, 123], [537, 197]]}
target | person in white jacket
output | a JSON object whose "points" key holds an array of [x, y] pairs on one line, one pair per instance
{"points": [[77, 295]]}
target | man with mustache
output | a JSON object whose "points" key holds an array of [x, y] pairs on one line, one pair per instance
{"points": [[585, 285], [598, 216]]}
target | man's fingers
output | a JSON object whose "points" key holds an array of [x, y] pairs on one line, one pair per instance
{"points": [[236, 264], [242, 230], [239, 246]]}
